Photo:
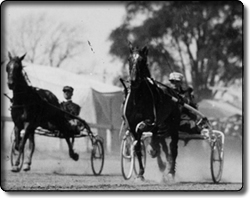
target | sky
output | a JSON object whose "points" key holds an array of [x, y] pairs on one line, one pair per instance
{"points": [[97, 20]]}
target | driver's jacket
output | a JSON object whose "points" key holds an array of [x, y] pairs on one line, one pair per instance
{"points": [[71, 108], [188, 98]]}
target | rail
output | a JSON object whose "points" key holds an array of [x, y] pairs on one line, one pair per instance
{"points": [[109, 130], [92, 125]]}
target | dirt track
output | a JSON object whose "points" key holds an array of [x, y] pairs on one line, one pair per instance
{"points": [[56, 171]]}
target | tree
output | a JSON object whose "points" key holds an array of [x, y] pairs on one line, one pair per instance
{"points": [[46, 41], [201, 39]]}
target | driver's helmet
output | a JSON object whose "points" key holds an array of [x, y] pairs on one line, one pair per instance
{"points": [[176, 76]]}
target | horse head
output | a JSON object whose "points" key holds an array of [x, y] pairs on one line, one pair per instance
{"points": [[138, 68], [14, 70]]}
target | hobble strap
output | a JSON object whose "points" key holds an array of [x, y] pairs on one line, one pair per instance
{"points": [[145, 126]]}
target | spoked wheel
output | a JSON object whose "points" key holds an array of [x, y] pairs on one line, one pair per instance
{"points": [[136, 162], [127, 156], [217, 157], [97, 157], [13, 157]]}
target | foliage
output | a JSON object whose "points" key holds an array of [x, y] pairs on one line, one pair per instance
{"points": [[45, 41], [201, 39]]}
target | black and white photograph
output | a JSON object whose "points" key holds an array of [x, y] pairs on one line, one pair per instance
{"points": [[122, 96]]}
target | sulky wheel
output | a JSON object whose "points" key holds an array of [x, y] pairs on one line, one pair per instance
{"points": [[217, 157], [13, 158], [127, 155], [136, 162], [97, 157]]}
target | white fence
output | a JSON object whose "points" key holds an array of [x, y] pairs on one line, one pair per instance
{"points": [[109, 133]]}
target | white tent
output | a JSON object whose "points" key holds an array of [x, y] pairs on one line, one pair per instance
{"points": [[100, 103]]}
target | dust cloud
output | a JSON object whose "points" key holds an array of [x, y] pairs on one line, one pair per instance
{"points": [[193, 163]]}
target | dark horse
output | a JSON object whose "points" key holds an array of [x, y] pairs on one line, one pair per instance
{"points": [[148, 108], [31, 108]]}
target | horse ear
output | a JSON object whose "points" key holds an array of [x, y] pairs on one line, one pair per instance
{"points": [[10, 56], [22, 57], [145, 50]]}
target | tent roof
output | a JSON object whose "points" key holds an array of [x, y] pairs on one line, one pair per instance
{"points": [[62, 77], [217, 109]]}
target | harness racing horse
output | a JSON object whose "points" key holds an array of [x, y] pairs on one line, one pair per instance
{"points": [[32, 108], [147, 108]]}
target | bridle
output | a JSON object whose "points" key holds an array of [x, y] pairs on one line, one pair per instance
{"points": [[136, 84], [133, 67]]}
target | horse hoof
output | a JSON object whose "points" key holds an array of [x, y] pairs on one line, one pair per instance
{"points": [[139, 178], [162, 166], [169, 178], [26, 167], [15, 169], [153, 154], [75, 156]]}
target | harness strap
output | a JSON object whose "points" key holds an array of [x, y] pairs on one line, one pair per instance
{"points": [[187, 106], [153, 98], [125, 107], [6, 95], [125, 87]]}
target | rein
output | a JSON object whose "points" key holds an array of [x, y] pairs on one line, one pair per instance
{"points": [[7, 97], [154, 108], [22, 106], [184, 105]]}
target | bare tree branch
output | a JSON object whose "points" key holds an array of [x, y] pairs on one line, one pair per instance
{"points": [[46, 41]]}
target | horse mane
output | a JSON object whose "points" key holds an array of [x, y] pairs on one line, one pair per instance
{"points": [[47, 96], [43, 94], [26, 77]]}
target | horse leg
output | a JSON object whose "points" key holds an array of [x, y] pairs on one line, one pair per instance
{"points": [[72, 141], [139, 156], [162, 165], [72, 154], [154, 146], [169, 177], [21, 148], [68, 132], [18, 127], [174, 134], [155, 150], [173, 154], [31, 150], [17, 136], [140, 128]]}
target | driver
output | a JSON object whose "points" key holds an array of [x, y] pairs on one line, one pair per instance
{"points": [[188, 119], [74, 109], [68, 105]]}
